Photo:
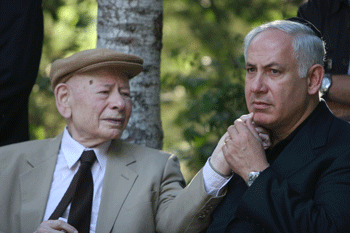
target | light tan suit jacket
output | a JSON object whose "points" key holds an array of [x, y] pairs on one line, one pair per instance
{"points": [[142, 190]]}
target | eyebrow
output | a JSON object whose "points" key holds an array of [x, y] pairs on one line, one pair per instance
{"points": [[268, 65], [109, 85]]}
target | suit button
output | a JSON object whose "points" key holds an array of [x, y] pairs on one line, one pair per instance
{"points": [[202, 216]]}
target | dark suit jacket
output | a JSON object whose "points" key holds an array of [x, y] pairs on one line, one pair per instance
{"points": [[21, 36], [332, 18], [142, 190], [306, 189]]}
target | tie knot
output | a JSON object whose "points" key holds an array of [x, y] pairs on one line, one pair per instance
{"points": [[88, 156]]}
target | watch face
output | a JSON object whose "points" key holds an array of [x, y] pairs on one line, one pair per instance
{"points": [[326, 83], [252, 177]]}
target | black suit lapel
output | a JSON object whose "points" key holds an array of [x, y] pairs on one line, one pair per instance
{"points": [[303, 148]]}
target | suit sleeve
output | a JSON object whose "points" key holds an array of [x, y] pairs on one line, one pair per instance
{"points": [[183, 209], [277, 205]]}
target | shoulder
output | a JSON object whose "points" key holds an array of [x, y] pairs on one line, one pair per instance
{"points": [[145, 155], [140, 151], [30, 150]]}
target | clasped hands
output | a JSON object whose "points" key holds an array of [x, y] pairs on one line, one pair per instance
{"points": [[241, 149]]}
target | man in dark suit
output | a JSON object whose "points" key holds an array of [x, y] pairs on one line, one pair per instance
{"points": [[332, 18], [21, 36], [302, 182]]}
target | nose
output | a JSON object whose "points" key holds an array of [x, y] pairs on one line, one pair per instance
{"points": [[117, 101], [258, 83]]}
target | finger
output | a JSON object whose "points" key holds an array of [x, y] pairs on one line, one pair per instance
{"points": [[242, 127], [264, 137], [244, 118], [252, 127], [265, 140], [62, 225], [219, 146], [261, 130], [222, 140], [232, 131], [228, 138]]}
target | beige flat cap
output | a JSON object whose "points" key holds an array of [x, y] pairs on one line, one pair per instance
{"points": [[93, 59]]}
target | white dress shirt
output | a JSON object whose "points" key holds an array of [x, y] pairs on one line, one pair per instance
{"points": [[68, 164]]}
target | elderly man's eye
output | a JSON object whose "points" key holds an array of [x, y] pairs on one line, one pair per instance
{"points": [[104, 92], [127, 94]]}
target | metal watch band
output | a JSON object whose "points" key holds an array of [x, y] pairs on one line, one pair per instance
{"points": [[326, 83], [252, 177]]}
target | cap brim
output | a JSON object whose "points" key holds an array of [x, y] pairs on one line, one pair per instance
{"points": [[130, 69]]}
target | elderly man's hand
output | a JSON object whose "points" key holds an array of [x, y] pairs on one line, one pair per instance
{"points": [[58, 226], [244, 147], [218, 159]]}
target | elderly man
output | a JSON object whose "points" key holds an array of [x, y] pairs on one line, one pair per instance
{"points": [[302, 182], [89, 180]]}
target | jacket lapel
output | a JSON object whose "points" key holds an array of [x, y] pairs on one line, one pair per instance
{"points": [[304, 146], [36, 182], [118, 181]]}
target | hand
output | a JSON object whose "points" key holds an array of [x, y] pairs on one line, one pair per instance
{"points": [[218, 160], [263, 134], [244, 149], [58, 226]]}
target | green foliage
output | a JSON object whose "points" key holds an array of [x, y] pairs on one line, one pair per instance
{"points": [[69, 26], [203, 54], [202, 66]]}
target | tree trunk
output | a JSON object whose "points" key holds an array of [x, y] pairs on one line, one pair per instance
{"points": [[135, 27]]}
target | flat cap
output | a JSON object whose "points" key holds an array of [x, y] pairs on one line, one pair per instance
{"points": [[94, 59]]}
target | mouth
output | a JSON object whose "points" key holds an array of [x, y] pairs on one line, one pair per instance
{"points": [[259, 105], [115, 121]]}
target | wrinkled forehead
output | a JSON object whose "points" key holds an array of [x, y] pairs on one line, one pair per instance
{"points": [[271, 41], [99, 76], [273, 36]]}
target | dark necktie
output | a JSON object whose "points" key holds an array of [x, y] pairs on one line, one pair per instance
{"points": [[80, 193]]}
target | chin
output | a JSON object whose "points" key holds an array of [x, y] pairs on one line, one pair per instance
{"points": [[261, 119], [112, 133]]}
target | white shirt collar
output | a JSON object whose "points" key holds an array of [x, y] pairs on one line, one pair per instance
{"points": [[72, 150]]}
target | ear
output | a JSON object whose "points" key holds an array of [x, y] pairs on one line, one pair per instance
{"points": [[314, 78], [62, 94]]}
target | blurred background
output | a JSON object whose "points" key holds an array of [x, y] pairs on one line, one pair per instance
{"points": [[202, 67]]}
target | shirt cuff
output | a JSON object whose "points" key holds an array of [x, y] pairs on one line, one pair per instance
{"points": [[213, 182]]}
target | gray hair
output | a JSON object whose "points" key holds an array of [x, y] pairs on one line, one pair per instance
{"points": [[308, 48]]}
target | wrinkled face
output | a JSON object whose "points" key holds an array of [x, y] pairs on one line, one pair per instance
{"points": [[100, 106], [273, 89]]}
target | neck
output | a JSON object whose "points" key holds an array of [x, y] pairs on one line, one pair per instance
{"points": [[283, 131]]}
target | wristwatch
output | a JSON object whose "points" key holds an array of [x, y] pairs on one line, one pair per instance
{"points": [[252, 177], [326, 83]]}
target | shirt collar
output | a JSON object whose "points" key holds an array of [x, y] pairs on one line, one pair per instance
{"points": [[72, 150], [272, 153]]}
